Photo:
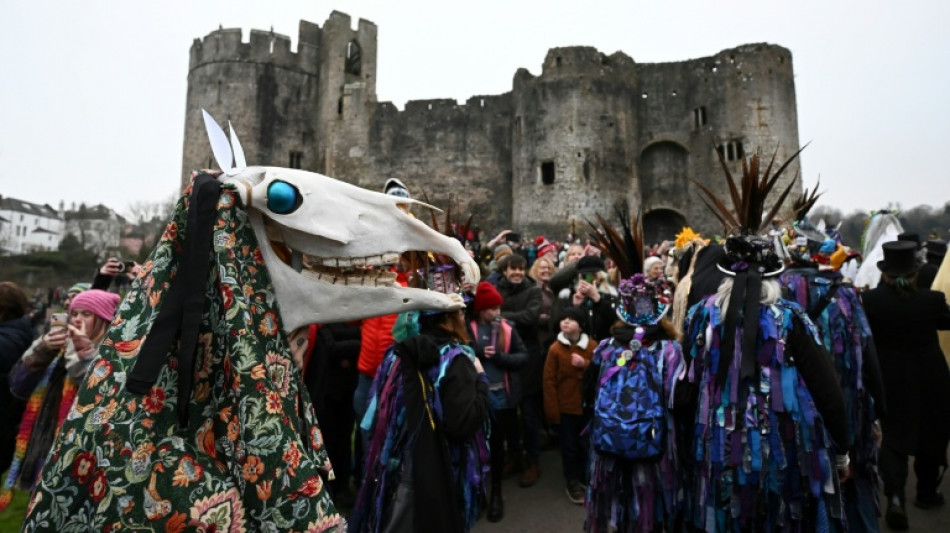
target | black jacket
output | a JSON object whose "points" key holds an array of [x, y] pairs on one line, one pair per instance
{"points": [[916, 377], [16, 335], [436, 498], [331, 374], [522, 307], [926, 275], [601, 316]]}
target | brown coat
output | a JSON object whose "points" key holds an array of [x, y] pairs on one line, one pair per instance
{"points": [[562, 380]]}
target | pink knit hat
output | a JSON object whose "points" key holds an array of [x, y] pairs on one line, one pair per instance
{"points": [[101, 303]]}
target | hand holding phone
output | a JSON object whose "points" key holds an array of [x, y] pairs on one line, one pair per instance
{"points": [[58, 320], [126, 266]]}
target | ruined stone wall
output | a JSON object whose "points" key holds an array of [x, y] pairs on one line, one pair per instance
{"points": [[589, 130], [460, 155]]}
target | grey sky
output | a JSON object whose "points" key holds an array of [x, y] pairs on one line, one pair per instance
{"points": [[93, 93]]}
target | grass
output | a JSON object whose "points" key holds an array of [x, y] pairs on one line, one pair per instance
{"points": [[11, 519]]}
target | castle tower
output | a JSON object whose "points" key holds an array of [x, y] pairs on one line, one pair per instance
{"points": [[347, 91], [573, 140], [737, 101], [284, 105]]}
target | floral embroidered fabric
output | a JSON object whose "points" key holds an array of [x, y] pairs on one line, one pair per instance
{"points": [[251, 457]]}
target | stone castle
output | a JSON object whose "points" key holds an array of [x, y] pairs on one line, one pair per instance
{"points": [[590, 130]]}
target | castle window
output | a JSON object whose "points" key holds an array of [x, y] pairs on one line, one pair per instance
{"points": [[296, 159], [339, 106], [731, 151], [547, 172], [354, 58], [699, 116], [557, 61]]}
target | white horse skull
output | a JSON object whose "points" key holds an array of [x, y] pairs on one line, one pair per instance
{"points": [[328, 245]]}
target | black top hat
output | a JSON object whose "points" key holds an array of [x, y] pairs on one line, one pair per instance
{"points": [[900, 258], [755, 253], [590, 263], [936, 248], [910, 237]]}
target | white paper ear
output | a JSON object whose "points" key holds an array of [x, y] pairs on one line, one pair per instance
{"points": [[240, 163], [220, 146]]}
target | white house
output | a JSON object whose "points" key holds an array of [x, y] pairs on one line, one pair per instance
{"points": [[97, 228], [27, 227]]}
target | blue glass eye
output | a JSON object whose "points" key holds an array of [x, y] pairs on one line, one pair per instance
{"points": [[283, 198]]}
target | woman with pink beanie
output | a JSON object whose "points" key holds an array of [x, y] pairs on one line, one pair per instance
{"points": [[48, 377]]}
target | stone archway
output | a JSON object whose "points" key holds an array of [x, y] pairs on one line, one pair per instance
{"points": [[664, 174], [661, 224]]}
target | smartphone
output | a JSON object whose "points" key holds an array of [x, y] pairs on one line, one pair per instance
{"points": [[588, 277], [513, 237], [126, 266], [58, 320]]}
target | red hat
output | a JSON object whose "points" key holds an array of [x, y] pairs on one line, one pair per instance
{"points": [[486, 297], [546, 249]]}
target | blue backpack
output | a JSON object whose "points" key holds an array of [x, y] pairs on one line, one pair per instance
{"points": [[629, 419]]}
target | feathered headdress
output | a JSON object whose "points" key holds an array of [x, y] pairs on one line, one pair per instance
{"points": [[745, 221], [803, 204], [749, 255], [808, 238], [643, 301]]}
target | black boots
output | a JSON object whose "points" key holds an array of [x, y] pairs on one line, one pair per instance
{"points": [[896, 516], [496, 508]]}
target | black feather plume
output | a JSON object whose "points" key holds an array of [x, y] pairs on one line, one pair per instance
{"points": [[748, 213]]}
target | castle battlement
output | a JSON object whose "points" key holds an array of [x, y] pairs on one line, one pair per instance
{"points": [[263, 46], [584, 60]]}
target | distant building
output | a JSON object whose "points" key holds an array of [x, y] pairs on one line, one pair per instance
{"points": [[97, 228], [589, 130], [27, 227]]}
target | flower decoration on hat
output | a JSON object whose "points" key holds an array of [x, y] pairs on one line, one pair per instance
{"points": [[643, 301]]}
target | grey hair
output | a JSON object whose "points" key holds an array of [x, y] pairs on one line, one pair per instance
{"points": [[771, 292]]}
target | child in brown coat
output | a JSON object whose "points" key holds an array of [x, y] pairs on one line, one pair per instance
{"points": [[567, 359]]}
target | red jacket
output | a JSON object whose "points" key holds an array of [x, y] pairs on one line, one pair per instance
{"points": [[376, 336]]}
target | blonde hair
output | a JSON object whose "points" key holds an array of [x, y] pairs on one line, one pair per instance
{"points": [[534, 267], [771, 292]]}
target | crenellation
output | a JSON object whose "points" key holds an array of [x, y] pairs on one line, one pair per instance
{"points": [[271, 47], [590, 130], [226, 45]]}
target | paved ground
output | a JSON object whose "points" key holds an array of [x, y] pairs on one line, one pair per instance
{"points": [[545, 507]]}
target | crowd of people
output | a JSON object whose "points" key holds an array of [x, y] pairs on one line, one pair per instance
{"points": [[692, 385]]}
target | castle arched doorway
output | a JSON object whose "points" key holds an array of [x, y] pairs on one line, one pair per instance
{"points": [[661, 225], [664, 174]]}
